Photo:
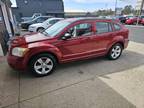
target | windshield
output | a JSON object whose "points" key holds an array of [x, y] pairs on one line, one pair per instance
{"points": [[47, 21], [56, 28]]}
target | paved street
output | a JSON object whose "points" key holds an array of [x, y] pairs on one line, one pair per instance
{"points": [[94, 83]]}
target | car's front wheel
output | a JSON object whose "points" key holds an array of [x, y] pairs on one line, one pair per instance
{"points": [[42, 64], [40, 29], [115, 52]]}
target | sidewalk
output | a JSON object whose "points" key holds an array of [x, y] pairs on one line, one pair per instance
{"points": [[84, 84]]}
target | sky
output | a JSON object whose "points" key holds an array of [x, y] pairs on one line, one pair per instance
{"points": [[91, 5]]}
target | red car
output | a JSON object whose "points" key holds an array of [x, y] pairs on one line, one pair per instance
{"points": [[68, 40], [133, 20], [142, 21]]}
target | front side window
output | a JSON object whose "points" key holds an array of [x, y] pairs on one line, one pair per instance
{"points": [[84, 29], [103, 27]]}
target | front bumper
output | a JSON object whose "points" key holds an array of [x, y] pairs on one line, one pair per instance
{"points": [[25, 26], [31, 29], [16, 62]]}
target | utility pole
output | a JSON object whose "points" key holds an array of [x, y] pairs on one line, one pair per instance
{"points": [[115, 7], [140, 11]]}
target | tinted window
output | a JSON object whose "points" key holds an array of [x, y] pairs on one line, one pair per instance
{"points": [[117, 27], [103, 27]]}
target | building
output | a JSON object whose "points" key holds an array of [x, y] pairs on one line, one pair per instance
{"points": [[79, 14], [6, 25], [138, 4], [26, 8]]}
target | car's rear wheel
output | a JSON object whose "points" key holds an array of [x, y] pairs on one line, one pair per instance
{"points": [[115, 52], [40, 30], [42, 64]]}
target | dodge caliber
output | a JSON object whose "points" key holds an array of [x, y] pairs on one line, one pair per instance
{"points": [[67, 40]]}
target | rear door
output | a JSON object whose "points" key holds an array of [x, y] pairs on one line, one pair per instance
{"points": [[102, 37]]}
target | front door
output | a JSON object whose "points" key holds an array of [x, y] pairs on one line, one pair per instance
{"points": [[78, 45]]}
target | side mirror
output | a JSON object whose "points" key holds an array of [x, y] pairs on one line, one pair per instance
{"points": [[66, 36]]}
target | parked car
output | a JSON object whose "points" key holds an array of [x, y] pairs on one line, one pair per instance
{"points": [[142, 21], [40, 19], [113, 17], [133, 20], [31, 18], [68, 40], [39, 27], [130, 20], [122, 19]]}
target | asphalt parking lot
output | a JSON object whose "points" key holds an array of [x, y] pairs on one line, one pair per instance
{"points": [[94, 83]]}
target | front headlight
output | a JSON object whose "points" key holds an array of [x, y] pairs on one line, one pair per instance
{"points": [[20, 52], [32, 27]]}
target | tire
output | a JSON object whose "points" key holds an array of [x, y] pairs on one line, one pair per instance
{"points": [[115, 52], [42, 65], [40, 29]]}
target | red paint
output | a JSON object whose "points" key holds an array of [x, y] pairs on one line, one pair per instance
{"points": [[142, 21], [133, 20], [68, 50]]}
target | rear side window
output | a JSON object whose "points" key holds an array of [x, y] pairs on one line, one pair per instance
{"points": [[117, 27], [103, 27]]}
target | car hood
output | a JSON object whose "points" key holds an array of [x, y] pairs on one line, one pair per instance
{"points": [[28, 38], [37, 24], [25, 22], [35, 37]]}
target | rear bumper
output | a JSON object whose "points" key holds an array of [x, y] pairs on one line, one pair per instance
{"points": [[16, 62], [126, 43]]}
